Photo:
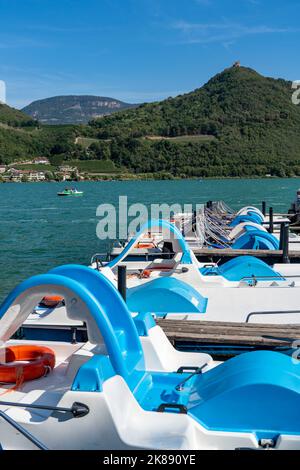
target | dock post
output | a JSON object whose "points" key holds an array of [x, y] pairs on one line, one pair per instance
{"points": [[281, 236], [285, 242], [122, 281], [194, 221], [264, 208], [182, 228], [271, 220]]}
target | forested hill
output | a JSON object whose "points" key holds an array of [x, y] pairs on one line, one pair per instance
{"points": [[13, 117], [252, 122], [22, 137], [238, 124]]}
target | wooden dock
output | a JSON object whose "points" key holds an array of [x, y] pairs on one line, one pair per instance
{"points": [[230, 253], [230, 334]]}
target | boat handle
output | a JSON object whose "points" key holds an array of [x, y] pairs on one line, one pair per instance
{"points": [[180, 386], [184, 369], [172, 406]]}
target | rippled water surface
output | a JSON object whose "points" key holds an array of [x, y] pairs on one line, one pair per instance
{"points": [[39, 230]]}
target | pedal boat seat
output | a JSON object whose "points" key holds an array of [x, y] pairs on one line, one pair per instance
{"points": [[243, 267], [244, 394]]}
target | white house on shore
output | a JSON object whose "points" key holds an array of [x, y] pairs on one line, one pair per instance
{"points": [[30, 175]]}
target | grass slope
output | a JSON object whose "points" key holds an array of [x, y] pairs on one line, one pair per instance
{"points": [[95, 166]]}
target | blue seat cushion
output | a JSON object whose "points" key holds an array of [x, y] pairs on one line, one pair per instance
{"points": [[243, 267], [254, 392], [257, 392], [165, 295]]}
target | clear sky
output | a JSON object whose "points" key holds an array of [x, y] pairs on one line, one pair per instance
{"points": [[140, 50]]}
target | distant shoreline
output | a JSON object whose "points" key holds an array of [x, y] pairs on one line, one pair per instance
{"points": [[152, 178]]}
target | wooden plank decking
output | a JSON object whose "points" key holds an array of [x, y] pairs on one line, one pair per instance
{"points": [[229, 252], [241, 334]]}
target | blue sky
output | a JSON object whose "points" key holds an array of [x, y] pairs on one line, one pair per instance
{"points": [[140, 50]]}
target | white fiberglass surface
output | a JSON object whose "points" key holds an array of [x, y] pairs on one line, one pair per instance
{"points": [[50, 388]]}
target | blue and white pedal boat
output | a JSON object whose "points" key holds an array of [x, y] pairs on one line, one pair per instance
{"points": [[246, 229], [244, 289], [127, 388]]}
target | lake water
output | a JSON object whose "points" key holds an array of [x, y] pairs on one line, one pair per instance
{"points": [[39, 230]]}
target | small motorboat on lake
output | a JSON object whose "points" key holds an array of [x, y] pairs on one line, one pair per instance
{"points": [[70, 192]]}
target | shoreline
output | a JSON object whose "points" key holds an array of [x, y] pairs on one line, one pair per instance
{"points": [[152, 178]]}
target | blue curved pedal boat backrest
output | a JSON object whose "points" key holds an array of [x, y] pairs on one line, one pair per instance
{"points": [[256, 240], [120, 324], [256, 215], [250, 217], [105, 310], [151, 225]]}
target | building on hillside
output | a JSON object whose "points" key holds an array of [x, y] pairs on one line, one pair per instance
{"points": [[41, 161], [14, 172], [67, 172], [15, 175], [36, 176], [2, 169], [30, 175]]}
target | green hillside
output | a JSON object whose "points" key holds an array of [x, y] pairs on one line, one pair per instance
{"points": [[16, 135], [13, 117], [22, 137], [255, 125], [238, 124], [95, 166], [233, 99]]}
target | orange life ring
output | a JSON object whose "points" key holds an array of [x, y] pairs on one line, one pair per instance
{"points": [[144, 245], [51, 300], [147, 272], [40, 360]]}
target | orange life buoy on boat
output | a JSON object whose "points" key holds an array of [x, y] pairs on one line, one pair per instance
{"points": [[40, 360], [145, 245], [147, 272], [161, 268], [51, 300]]}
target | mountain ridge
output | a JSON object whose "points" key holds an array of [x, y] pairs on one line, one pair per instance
{"points": [[239, 123], [73, 109]]}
